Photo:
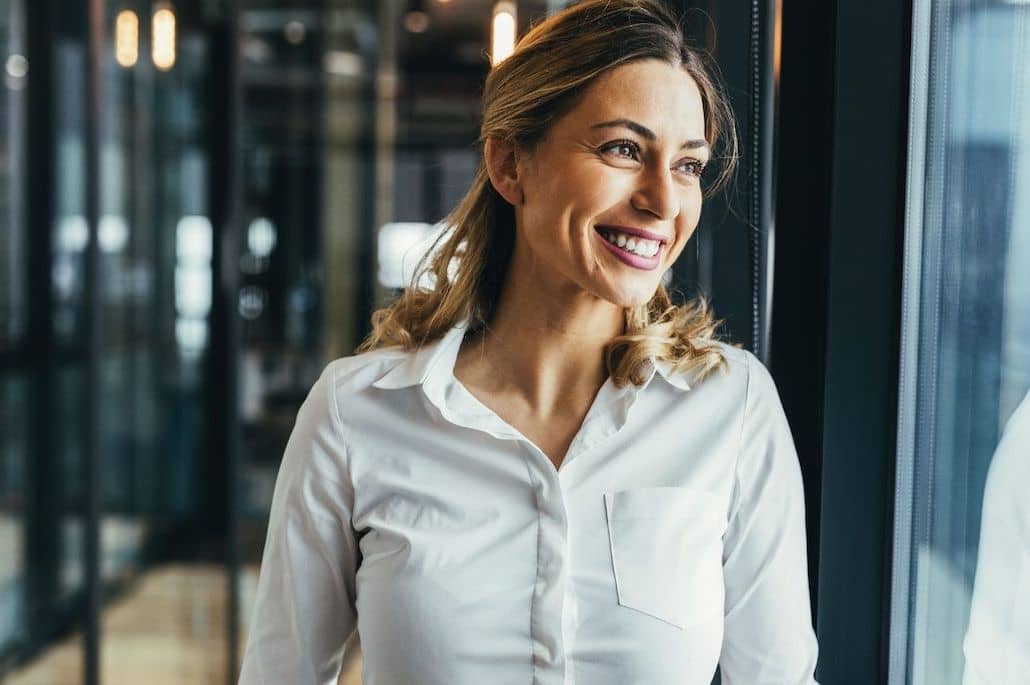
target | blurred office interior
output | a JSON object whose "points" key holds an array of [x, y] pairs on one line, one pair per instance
{"points": [[202, 202]]}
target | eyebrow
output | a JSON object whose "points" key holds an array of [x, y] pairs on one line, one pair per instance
{"points": [[644, 131]]}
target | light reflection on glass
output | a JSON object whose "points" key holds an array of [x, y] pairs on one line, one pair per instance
{"points": [[401, 246], [294, 31], [343, 63], [15, 71], [192, 291], [113, 233], [252, 302], [261, 237], [193, 239], [191, 336], [72, 233], [193, 251]]}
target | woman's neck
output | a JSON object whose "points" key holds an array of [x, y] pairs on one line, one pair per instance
{"points": [[544, 347]]}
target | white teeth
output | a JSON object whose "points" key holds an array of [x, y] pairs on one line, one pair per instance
{"points": [[634, 244]]}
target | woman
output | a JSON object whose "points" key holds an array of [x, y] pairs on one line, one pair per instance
{"points": [[539, 470]]}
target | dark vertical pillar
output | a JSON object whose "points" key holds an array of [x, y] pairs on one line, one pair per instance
{"points": [[802, 172], [93, 79], [42, 516], [365, 292], [761, 115], [223, 499], [870, 143]]}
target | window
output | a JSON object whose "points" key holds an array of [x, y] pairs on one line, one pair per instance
{"points": [[965, 321]]}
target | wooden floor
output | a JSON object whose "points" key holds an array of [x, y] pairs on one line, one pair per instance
{"points": [[168, 630]]}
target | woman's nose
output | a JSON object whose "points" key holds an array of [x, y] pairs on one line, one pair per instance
{"points": [[656, 194]]}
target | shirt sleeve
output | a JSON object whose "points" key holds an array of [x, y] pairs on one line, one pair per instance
{"points": [[768, 637], [997, 641], [304, 608]]}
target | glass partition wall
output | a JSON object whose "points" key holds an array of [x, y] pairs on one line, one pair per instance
{"points": [[14, 381], [161, 566], [965, 352]]}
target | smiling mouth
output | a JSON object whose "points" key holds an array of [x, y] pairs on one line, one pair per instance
{"points": [[632, 243]]}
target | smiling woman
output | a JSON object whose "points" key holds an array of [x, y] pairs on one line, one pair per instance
{"points": [[540, 469], [613, 168], [563, 76]]}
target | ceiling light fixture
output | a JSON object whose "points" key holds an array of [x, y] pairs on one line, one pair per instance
{"points": [[162, 50], [126, 38], [502, 37], [416, 19]]}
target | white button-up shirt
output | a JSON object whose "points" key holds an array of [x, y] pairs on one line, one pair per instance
{"points": [[997, 642], [670, 540]]}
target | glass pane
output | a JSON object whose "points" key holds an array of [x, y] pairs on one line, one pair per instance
{"points": [[969, 365], [70, 230], [13, 457], [13, 305], [161, 545], [13, 254], [50, 473]]}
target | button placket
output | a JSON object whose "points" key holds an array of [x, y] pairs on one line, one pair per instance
{"points": [[570, 616], [547, 627]]}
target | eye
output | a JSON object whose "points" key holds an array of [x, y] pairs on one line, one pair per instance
{"points": [[693, 167], [622, 149]]}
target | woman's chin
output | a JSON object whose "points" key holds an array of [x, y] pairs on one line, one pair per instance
{"points": [[630, 298]]}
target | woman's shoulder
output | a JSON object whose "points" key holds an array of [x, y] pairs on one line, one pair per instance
{"points": [[358, 372], [345, 391], [741, 370]]}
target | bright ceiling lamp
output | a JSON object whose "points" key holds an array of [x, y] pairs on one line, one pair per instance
{"points": [[126, 38], [163, 36], [502, 37]]}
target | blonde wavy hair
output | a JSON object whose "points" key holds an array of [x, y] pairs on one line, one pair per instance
{"points": [[461, 277]]}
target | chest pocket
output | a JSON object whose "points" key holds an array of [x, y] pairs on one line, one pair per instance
{"points": [[666, 546]]}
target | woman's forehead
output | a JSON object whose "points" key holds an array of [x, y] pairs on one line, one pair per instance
{"points": [[659, 96]]}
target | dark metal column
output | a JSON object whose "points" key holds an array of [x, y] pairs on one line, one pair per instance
{"points": [[39, 354], [761, 115], [869, 143], [802, 170], [94, 339], [225, 204]]}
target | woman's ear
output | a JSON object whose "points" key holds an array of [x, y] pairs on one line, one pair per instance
{"points": [[501, 159]]}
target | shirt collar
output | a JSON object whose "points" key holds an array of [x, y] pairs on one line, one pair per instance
{"points": [[436, 358], [432, 367], [435, 361], [665, 370]]}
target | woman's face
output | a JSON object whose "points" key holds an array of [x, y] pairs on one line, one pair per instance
{"points": [[611, 195]]}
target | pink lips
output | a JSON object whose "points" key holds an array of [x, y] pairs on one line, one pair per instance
{"points": [[639, 232], [634, 260]]}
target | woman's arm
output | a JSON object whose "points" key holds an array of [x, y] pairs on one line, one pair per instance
{"points": [[304, 609], [768, 636]]}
